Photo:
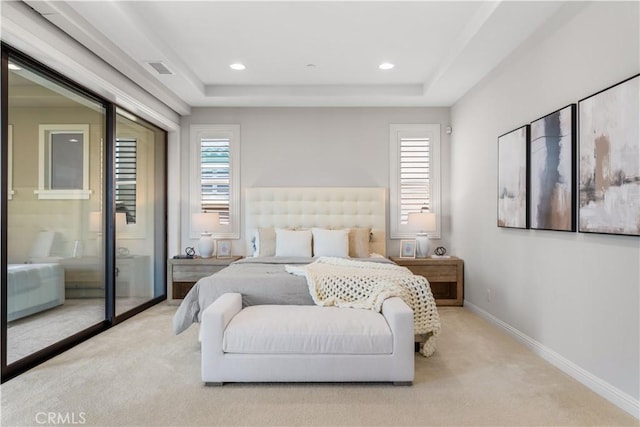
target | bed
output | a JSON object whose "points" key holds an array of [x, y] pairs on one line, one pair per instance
{"points": [[32, 288], [275, 220]]}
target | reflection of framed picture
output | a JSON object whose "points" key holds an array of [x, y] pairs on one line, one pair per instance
{"points": [[223, 248], [552, 194], [609, 132], [407, 249], [513, 184]]}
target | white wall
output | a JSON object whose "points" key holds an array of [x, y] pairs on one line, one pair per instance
{"points": [[575, 295], [315, 147]]}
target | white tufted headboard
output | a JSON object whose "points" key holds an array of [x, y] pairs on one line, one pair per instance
{"points": [[326, 207]]}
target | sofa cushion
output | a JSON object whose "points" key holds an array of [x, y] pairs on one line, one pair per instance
{"points": [[307, 329]]}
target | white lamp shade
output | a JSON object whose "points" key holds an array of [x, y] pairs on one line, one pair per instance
{"points": [[422, 221], [205, 222]]}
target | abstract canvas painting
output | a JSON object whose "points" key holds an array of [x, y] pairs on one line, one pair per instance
{"points": [[512, 178], [610, 160], [551, 176]]}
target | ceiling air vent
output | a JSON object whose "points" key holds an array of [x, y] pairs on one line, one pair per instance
{"points": [[159, 67]]}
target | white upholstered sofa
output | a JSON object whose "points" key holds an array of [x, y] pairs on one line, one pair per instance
{"points": [[291, 343]]}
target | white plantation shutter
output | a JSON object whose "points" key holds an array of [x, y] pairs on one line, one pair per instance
{"points": [[415, 192], [126, 177], [414, 175], [215, 177]]}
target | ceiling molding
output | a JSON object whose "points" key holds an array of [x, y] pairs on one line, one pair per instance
{"points": [[313, 90], [71, 22], [29, 32], [457, 48], [320, 53], [146, 30]]}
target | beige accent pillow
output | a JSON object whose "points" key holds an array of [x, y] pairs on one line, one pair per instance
{"points": [[359, 242], [266, 242]]}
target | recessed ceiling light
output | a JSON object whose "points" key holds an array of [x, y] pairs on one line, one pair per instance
{"points": [[237, 66], [386, 66]]}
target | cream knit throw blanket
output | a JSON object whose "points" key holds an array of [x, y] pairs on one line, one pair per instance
{"points": [[359, 284]]}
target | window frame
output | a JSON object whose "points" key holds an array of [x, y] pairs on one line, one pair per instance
{"points": [[44, 190], [396, 133], [196, 133], [10, 190]]}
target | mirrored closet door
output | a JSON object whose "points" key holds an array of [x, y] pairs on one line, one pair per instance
{"points": [[83, 213], [55, 222], [139, 185]]}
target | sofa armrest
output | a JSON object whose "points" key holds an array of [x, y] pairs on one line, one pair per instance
{"points": [[399, 316], [213, 323], [227, 306]]}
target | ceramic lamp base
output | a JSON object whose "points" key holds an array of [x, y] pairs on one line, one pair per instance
{"points": [[206, 245], [422, 245]]}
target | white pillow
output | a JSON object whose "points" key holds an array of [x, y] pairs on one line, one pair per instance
{"points": [[330, 242], [42, 246], [293, 242]]}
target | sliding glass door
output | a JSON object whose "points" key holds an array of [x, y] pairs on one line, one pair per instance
{"points": [[54, 210], [139, 183], [83, 214]]}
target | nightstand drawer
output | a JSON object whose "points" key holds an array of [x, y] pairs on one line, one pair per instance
{"points": [[83, 275], [437, 273], [191, 273]]}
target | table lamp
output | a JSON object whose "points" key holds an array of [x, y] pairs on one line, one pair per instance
{"points": [[205, 223], [423, 222]]}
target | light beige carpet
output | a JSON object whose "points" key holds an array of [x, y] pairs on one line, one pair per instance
{"points": [[30, 334], [139, 374]]}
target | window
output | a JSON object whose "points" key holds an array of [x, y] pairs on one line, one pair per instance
{"points": [[63, 162], [414, 175], [126, 167], [215, 175]]}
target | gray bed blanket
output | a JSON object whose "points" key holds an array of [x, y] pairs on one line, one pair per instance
{"points": [[262, 280]]}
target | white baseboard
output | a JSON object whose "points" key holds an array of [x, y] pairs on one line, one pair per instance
{"points": [[597, 385]]}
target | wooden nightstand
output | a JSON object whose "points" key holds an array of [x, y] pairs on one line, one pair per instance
{"points": [[182, 273], [445, 275], [84, 277]]}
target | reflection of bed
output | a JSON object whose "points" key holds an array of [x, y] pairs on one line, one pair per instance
{"points": [[32, 288]]}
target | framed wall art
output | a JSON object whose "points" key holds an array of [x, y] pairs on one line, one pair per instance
{"points": [[552, 146], [407, 249], [513, 184], [609, 146], [223, 248]]}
